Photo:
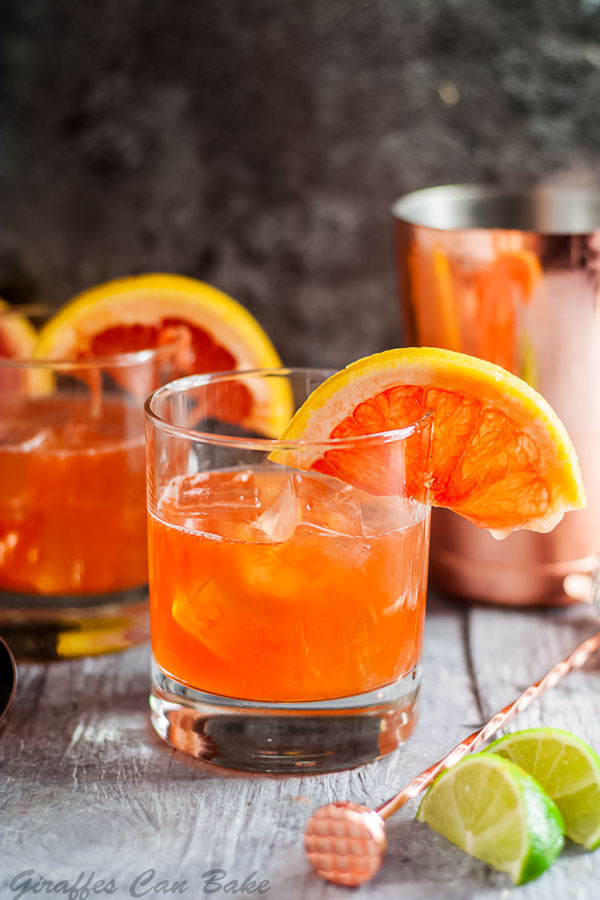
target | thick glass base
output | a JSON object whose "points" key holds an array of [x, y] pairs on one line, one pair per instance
{"points": [[312, 737], [40, 627]]}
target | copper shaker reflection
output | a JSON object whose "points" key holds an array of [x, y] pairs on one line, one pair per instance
{"points": [[514, 279]]}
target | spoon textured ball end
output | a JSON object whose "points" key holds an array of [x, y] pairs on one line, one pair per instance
{"points": [[345, 843]]}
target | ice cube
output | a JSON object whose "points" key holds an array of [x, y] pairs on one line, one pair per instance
{"points": [[24, 437], [278, 522], [212, 617], [381, 515], [330, 504], [208, 492], [45, 439]]}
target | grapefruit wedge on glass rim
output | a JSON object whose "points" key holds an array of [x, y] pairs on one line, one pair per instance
{"points": [[499, 456], [17, 341], [146, 311], [17, 335]]}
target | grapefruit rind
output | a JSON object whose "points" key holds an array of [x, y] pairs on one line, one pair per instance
{"points": [[19, 337], [17, 331], [527, 410]]}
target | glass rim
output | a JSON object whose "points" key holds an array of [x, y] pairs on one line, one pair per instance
{"points": [[121, 360], [266, 444]]}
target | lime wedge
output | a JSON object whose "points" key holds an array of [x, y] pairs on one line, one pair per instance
{"points": [[568, 770], [494, 811]]}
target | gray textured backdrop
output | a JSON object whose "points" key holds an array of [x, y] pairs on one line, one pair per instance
{"points": [[258, 143]]}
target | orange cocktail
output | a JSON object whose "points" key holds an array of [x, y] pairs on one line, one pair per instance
{"points": [[72, 491], [288, 546], [73, 545], [287, 604], [284, 586]]}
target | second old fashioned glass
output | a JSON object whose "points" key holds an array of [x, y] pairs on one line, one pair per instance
{"points": [[287, 605], [73, 545]]}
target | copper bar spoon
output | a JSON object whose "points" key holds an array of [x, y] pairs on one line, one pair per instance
{"points": [[345, 842]]}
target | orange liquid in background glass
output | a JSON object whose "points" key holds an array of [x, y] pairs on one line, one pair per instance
{"points": [[272, 585], [72, 496]]}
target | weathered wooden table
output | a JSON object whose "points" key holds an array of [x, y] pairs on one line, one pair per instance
{"points": [[87, 787]]}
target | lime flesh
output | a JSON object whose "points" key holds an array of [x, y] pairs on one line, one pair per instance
{"points": [[494, 811], [568, 770]]}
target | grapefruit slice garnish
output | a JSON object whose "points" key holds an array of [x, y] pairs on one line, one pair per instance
{"points": [[500, 456], [142, 312], [17, 335], [17, 341], [131, 313]]}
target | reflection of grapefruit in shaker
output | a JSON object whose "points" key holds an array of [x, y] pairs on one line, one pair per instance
{"points": [[475, 309], [501, 288]]}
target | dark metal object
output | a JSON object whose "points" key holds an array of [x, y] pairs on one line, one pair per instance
{"points": [[8, 679]]}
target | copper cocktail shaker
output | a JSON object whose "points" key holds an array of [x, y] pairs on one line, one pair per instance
{"points": [[512, 278]]}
